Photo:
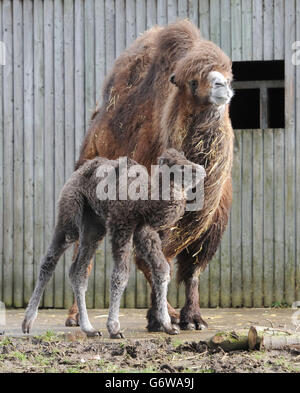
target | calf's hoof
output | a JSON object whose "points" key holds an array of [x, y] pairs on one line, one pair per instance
{"points": [[93, 333], [117, 335], [172, 330], [190, 319], [28, 322]]}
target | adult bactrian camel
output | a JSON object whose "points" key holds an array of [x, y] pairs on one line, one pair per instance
{"points": [[171, 88]]}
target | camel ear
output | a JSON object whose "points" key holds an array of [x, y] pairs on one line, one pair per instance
{"points": [[172, 79]]}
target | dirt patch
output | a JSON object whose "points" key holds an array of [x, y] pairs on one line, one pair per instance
{"points": [[67, 353]]}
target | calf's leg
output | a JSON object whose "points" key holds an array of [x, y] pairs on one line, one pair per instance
{"points": [[121, 239], [148, 247], [61, 240], [73, 314], [91, 231]]}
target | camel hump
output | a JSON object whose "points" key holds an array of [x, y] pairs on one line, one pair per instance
{"points": [[178, 37]]}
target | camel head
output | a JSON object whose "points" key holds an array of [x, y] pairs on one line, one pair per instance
{"points": [[204, 76]]}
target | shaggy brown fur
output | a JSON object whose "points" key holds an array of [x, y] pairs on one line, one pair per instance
{"points": [[158, 95]]}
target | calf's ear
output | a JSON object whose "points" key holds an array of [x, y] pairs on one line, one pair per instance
{"points": [[160, 161]]}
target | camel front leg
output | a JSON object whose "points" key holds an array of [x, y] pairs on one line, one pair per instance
{"points": [[190, 316]]}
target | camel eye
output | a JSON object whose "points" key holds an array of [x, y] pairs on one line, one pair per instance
{"points": [[193, 85]]}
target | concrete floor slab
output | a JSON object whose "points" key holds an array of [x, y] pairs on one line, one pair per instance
{"points": [[133, 322]]}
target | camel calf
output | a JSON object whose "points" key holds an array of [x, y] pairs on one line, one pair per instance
{"points": [[91, 203]]}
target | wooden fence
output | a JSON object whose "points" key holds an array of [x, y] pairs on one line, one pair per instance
{"points": [[57, 55]]}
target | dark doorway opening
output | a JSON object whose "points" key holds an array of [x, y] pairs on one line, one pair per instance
{"points": [[244, 110]]}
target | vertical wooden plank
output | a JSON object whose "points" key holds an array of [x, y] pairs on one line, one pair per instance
{"points": [[257, 219], [226, 27], [18, 152], [59, 136], [28, 149], [297, 163], [290, 83], [162, 11], [246, 30], [225, 280], [69, 141], [215, 22], [173, 289], [236, 30], [108, 269], [8, 174], [257, 31], [99, 78], [1, 164], [151, 13], [79, 76], [268, 218], [214, 280], [39, 178], [204, 18], [141, 18], [278, 158], [120, 27], [182, 9], [130, 292], [193, 11], [49, 135], [172, 11], [89, 45], [268, 21], [181, 290], [246, 186], [279, 29], [204, 288], [130, 23], [236, 230], [100, 48]]}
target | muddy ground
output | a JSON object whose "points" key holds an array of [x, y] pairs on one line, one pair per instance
{"points": [[53, 348], [52, 353]]}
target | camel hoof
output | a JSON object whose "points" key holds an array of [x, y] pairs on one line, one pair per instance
{"points": [[71, 322], [192, 320], [155, 326]]}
